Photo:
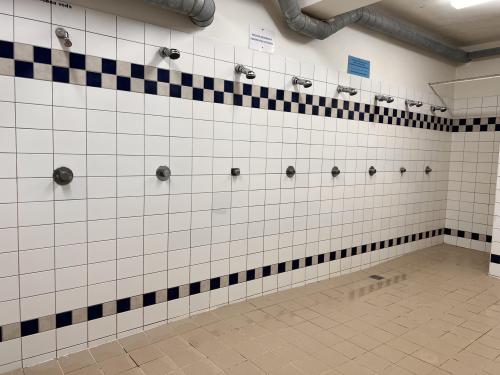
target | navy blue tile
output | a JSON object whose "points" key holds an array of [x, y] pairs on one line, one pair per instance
{"points": [[266, 271], [255, 102], [109, 66], [123, 83], [264, 92], [328, 112], [382, 244], [391, 242], [173, 293], [1, 336], [198, 94], [309, 99], [340, 113], [151, 87], [271, 104], [218, 97], [489, 238], [343, 253], [461, 234], [321, 258], [364, 249], [373, 246], [238, 99], [354, 251], [302, 108], [295, 264], [24, 69], [281, 267], [295, 97], [76, 61], [149, 299], [208, 83], [122, 305], [247, 89], [315, 110], [287, 106], [29, 327], [194, 288], [250, 275], [215, 283], [309, 261], [280, 94], [94, 312], [42, 55], [228, 86], [187, 79], [333, 255], [475, 236], [64, 319], [94, 79], [406, 239], [495, 258], [137, 71], [175, 91], [6, 49], [233, 279], [447, 231], [413, 237], [398, 242]]}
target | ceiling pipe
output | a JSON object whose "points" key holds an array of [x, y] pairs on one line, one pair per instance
{"points": [[201, 12], [372, 19]]}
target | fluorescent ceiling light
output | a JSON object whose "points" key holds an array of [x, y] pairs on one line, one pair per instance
{"points": [[460, 4]]}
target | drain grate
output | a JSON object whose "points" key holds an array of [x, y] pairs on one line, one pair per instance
{"points": [[376, 277]]}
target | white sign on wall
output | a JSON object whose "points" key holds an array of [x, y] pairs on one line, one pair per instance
{"points": [[261, 39]]}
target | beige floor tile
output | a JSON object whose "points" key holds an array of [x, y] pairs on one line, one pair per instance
{"points": [[106, 351], [227, 359], [245, 368], [145, 354], [160, 366], [76, 361], [365, 342], [415, 365], [117, 365], [91, 370], [289, 369], [352, 368], [389, 353], [134, 342], [47, 368], [349, 349], [431, 357], [373, 362], [203, 367]]}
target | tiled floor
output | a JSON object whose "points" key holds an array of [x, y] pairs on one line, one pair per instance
{"points": [[435, 312]]}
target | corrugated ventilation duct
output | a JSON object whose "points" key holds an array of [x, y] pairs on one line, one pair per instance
{"points": [[201, 12], [372, 19]]}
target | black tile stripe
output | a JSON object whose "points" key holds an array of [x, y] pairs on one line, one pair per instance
{"points": [[65, 319], [467, 235], [495, 258]]}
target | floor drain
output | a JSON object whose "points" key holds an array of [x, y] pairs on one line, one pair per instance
{"points": [[376, 277]]}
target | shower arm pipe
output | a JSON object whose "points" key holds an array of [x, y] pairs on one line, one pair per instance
{"points": [[372, 19], [201, 12]]}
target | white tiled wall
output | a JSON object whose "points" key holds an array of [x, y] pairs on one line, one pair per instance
{"points": [[117, 231]]}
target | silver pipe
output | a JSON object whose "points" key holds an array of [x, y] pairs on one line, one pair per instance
{"points": [[374, 20], [301, 81], [349, 90], [201, 12], [384, 98], [242, 69], [471, 79], [413, 103]]}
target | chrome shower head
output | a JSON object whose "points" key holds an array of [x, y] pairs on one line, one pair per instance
{"points": [[350, 90], [62, 34], [171, 53], [413, 103], [301, 81], [435, 108], [242, 69], [384, 98]]}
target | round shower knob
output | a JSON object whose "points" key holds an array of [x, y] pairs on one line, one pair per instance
{"points": [[335, 171], [402, 170], [163, 173], [428, 170], [372, 170], [290, 171], [235, 172], [62, 176]]}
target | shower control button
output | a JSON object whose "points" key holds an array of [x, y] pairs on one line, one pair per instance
{"points": [[428, 170], [62, 176], [163, 173], [372, 171], [290, 171], [335, 171], [235, 172], [402, 170]]}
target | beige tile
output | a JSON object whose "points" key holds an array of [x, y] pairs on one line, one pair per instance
{"points": [[202, 367], [91, 370], [227, 359], [76, 361], [389, 353], [106, 351], [415, 365], [47, 368], [117, 365], [160, 366], [245, 368], [145, 354], [134, 342]]}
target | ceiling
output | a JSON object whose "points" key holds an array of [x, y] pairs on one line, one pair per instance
{"points": [[469, 26]]}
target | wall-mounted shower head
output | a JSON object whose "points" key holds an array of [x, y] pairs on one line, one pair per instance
{"points": [[350, 90], [242, 69], [413, 103], [62, 34], [435, 108], [302, 81], [171, 53], [384, 98]]}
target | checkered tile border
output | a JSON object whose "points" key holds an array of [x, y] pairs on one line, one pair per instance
{"points": [[477, 124], [27, 61], [467, 235], [50, 322]]}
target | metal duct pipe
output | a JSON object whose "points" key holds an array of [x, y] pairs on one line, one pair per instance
{"points": [[201, 12], [484, 53], [372, 19]]}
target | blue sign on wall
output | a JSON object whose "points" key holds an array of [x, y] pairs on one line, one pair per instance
{"points": [[358, 67]]}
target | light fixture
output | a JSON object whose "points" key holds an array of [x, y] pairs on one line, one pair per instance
{"points": [[460, 4]]}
